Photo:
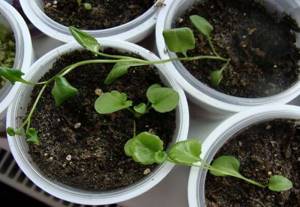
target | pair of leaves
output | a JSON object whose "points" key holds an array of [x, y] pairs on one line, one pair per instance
{"points": [[163, 100], [61, 91], [230, 166], [147, 149], [31, 134], [180, 40]]}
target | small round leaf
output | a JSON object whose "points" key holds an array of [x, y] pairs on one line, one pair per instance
{"points": [[163, 99], [186, 152], [179, 39], [226, 166], [279, 183], [202, 25], [111, 102], [141, 108]]}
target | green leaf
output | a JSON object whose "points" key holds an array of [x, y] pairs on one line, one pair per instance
{"points": [[226, 166], [12, 75], [87, 6], [128, 148], [118, 70], [279, 183], [179, 39], [163, 99], [202, 25], [13, 132], [111, 102], [10, 131], [62, 90], [32, 136], [146, 149], [216, 77], [185, 152], [85, 40], [141, 108]]}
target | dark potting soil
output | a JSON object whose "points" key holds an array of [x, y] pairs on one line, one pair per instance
{"points": [[264, 58], [269, 148], [103, 14], [84, 149]]}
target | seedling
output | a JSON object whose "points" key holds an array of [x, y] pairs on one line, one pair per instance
{"points": [[161, 99], [146, 149], [180, 40], [86, 6]]}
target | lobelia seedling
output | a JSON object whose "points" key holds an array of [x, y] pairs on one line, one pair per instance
{"points": [[180, 40], [62, 90], [86, 6], [144, 148], [161, 99], [147, 149]]}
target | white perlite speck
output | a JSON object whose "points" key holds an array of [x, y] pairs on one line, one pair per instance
{"points": [[69, 158]]}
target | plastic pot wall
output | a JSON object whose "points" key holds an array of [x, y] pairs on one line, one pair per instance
{"points": [[23, 54], [133, 31], [223, 133], [211, 100], [19, 147]]}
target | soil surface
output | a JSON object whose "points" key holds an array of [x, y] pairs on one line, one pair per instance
{"points": [[7, 50], [269, 148], [261, 46], [84, 149], [103, 14]]}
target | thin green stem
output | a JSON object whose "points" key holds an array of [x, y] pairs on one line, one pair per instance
{"points": [[27, 122], [86, 62], [212, 47], [116, 56], [134, 128], [225, 65], [206, 166]]}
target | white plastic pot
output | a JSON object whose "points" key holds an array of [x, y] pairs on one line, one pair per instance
{"points": [[201, 94], [19, 147], [24, 52], [226, 130], [133, 31]]}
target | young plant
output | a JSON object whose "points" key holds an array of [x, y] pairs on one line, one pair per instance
{"points": [[62, 90], [86, 6], [146, 149], [161, 99], [180, 40]]}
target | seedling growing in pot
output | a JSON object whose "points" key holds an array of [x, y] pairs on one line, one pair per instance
{"points": [[147, 148], [86, 6], [180, 40], [161, 99]]}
